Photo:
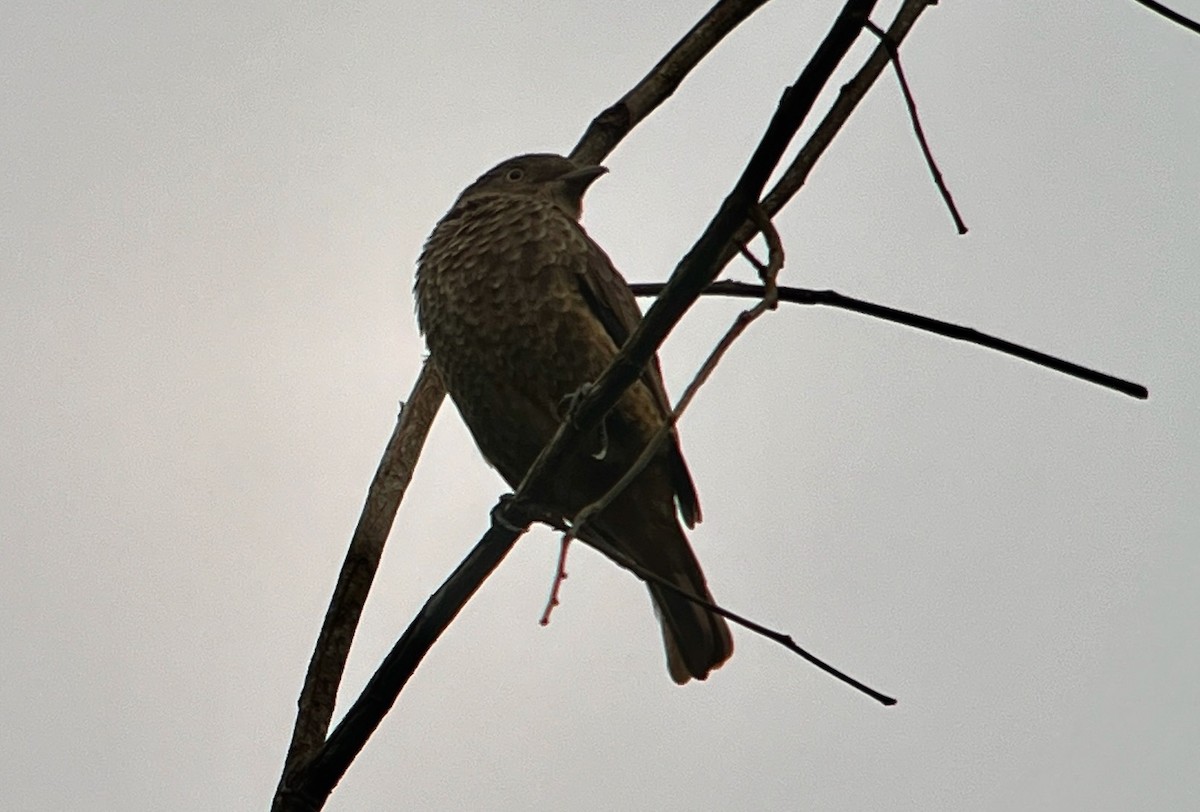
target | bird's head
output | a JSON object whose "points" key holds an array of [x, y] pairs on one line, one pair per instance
{"points": [[551, 177]]}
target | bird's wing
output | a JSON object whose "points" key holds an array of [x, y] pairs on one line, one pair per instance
{"points": [[608, 295]]}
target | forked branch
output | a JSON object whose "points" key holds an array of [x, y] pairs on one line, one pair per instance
{"points": [[319, 693], [310, 781]]}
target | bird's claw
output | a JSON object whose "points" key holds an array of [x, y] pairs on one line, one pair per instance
{"points": [[603, 452], [566, 409], [499, 519], [568, 402]]}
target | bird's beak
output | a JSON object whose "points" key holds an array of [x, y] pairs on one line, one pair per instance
{"points": [[579, 179]]}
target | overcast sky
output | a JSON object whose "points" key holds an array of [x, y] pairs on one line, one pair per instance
{"points": [[209, 217]]}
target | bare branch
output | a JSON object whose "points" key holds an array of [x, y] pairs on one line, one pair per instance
{"points": [[769, 300], [1173, 16], [779, 637], [319, 694], [316, 780], [970, 335], [849, 97], [911, 104], [608, 128], [701, 264], [560, 575]]}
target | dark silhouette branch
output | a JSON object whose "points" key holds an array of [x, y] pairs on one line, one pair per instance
{"points": [[704, 260], [319, 693], [611, 126], [918, 130], [1173, 16], [831, 298], [779, 637], [831, 124], [769, 299], [314, 780]]}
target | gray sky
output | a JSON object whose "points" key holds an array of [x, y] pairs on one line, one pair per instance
{"points": [[208, 224]]}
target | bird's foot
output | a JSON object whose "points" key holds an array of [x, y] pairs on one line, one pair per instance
{"points": [[500, 516], [568, 402], [603, 450], [566, 409]]}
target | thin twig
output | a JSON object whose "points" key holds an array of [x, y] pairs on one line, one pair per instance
{"points": [[783, 639], [758, 264], [768, 301], [911, 103], [775, 257], [560, 575], [1173, 16], [835, 118], [970, 335]]}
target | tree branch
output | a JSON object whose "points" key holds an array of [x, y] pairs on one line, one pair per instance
{"points": [[1173, 16], [319, 694], [838, 114], [911, 103], [316, 779], [610, 127], [705, 259], [970, 335]]}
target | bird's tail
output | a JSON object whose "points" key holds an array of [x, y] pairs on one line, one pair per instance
{"points": [[696, 640]]}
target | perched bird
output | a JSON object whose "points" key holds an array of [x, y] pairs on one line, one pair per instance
{"points": [[520, 310]]}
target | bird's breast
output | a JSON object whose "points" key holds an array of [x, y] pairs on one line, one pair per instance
{"points": [[499, 302]]}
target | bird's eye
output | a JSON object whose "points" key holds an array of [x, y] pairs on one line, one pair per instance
{"points": [[515, 174]]}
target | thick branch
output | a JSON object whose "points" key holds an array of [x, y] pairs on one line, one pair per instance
{"points": [[319, 694], [316, 779], [851, 94], [316, 704], [703, 262], [694, 272], [1172, 15]]}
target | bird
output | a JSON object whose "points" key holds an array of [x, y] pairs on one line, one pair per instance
{"points": [[521, 310]]}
